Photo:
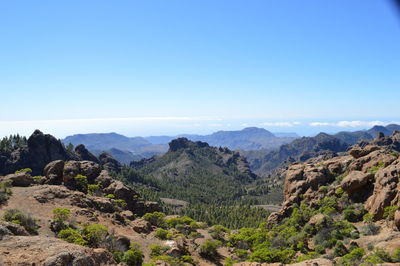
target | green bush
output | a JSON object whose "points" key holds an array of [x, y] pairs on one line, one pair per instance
{"points": [[5, 191], [110, 196], [368, 218], [352, 258], [218, 232], [155, 218], [389, 211], [26, 170], [163, 234], [396, 255], [157, 250], [81, 182], [133, 256], [272, 255], [61, 214], [120, 203], [94, 189], [339, 250], [209, 248], [241, 253], [72, 236], [25, 220], [95, 234]]}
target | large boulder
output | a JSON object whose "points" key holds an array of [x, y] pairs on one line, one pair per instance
{"points": [[89, 169], [355, 180], [141, 226], [53, 172], [71, 169], [8, 229], [385, 192], [22, 179]]}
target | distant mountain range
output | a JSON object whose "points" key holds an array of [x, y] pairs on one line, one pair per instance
{"points": [[126, 149], [263, 162]]}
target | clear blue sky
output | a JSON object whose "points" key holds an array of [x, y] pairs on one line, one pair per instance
{"points": [[196, 66]]}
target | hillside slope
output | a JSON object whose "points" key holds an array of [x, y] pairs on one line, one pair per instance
{"points": [[197, 172]]}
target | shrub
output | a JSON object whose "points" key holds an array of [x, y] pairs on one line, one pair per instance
{"points": [[26, 170], [368, 218], [352, 258], [155, 218], [120, 203], [94, 189], [133, 256], [370, 229], [5, 191], [95, 234], [81, 182], [241, 253], [339, 250], [272, 255], [25, 220], [218, 232], [389, 211], [209, 248], [110, 196], [72, 236], [163, 234], [157, 250], [184, 220], [396, 255], [323, 189], [354, 213], [61, 214]]}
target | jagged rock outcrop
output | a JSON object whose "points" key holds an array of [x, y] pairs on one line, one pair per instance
{"points": [[370, 175], [59, 172], [184, 143], [109, 163], [40, 150], [84, 154]]}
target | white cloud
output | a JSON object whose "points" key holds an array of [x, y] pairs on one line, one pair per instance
{"points": [[280, 124], [355, 123]]}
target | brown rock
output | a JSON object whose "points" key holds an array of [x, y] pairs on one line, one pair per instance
{"points": [[40, 250], [22, 179], [355, 180], [89, 169], [54, 172], [141, 226], [358, 151], [71, 169], [385, 191], [128, 215], [104, 179]]}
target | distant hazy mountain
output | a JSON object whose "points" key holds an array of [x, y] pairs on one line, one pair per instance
{"points": [[120, 147], [123, 148], [124, 157], [251, 138]]}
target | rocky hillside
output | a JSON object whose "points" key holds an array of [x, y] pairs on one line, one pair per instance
{"points": [[357, 191]]}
